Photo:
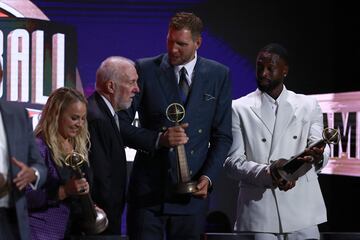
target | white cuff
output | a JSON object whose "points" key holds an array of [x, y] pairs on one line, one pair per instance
{"points": [[210, 183], [37, 174]]}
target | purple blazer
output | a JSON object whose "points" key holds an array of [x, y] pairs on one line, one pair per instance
{"points": [[48, 216]]}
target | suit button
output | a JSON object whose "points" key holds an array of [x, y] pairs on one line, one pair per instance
{"points": [[200, 130], [171, 149], [190, 172], [192, 152], [294, 137], [264, 140]]}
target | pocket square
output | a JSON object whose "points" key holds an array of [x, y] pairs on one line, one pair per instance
{"points": [[208, 97]]}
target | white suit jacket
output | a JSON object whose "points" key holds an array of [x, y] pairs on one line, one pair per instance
{"points": [[261, 207]]}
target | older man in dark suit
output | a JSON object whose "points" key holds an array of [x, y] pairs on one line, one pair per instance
{"points": [[116, 85], [203, 87], [20, 165]]}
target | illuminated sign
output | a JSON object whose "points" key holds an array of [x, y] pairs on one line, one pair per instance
{"points": [[342, 112], [37, 57]]}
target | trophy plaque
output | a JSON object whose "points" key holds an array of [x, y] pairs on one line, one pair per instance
{"points": [[175, 112], [93, 219], [296, 167]]}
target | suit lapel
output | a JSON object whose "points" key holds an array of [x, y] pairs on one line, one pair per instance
{"points": [[263, 112], [267, 116], [106, 111], [284, 116], [198, 84], [168, 83]]}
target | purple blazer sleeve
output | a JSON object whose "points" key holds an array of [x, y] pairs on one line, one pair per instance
{"points": [[45, 196]]}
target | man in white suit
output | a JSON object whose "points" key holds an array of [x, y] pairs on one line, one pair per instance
{"points": [[270, 125]]}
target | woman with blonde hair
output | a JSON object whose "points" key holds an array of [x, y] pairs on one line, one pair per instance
{"points": [[61, 131]]}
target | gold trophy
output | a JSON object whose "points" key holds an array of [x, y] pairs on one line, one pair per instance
{"points": [[175, 112], [296, 167], [94, 219]]}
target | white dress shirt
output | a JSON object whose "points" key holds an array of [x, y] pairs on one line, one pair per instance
{"points": [[4, 160], [189, 70]]}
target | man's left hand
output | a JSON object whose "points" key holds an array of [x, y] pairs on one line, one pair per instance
{"points": [[25, 176], [202, 186]]}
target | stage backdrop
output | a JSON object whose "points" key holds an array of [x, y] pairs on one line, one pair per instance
{"points": [[37, 56], [73, 37], [317, 37]]}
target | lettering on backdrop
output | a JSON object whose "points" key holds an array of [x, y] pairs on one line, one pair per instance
{"points": [[342, 112], [37, 57], [18, 82]]}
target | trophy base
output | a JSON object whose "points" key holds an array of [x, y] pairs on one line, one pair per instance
{"points": [[185, 188], [97, 225]]}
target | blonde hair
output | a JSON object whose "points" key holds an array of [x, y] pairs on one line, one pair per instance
{"points": [[48, 126]]}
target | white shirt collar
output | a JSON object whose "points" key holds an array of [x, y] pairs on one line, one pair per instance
{"points": [[281, 96], [189, 69], [274, 103], [108, 104]]}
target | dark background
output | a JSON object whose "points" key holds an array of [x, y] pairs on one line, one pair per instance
{"points": [[322, 38]]}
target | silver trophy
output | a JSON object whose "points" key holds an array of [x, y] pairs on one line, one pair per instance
{"points": [[296, 167], [175, 112]]}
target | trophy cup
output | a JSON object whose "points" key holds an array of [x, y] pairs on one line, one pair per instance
{"points": [[175, 112], [296, 167], [93, 219]]}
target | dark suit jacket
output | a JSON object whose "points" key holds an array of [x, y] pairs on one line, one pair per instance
{"points": [[107, 161], [21, 145], [208, 112]]}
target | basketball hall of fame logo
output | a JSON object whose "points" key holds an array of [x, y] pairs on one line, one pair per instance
{"points": [[37, 55]]}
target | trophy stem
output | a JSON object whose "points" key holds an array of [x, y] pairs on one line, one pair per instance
{"points": [[185, 184], [183, 169], [175, 112]]}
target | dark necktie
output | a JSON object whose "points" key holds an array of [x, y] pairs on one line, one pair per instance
{"points": [[183, 84]]}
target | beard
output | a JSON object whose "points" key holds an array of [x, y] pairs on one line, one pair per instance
{"points": [[267, 85], [124, 105]]}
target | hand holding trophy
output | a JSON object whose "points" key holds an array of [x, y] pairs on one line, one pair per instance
{"points": [[175, 112], [285, 171], [94, 219]]}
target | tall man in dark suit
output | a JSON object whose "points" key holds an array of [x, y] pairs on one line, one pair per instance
{"points": [[20, 165], [154, 209], [116, 85]]}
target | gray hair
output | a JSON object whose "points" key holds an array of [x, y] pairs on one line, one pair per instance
{"points": [[112, 68]]}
